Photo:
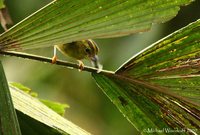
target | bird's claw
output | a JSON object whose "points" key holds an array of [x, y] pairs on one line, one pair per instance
{"points": [[81, 66], [54, 59]]}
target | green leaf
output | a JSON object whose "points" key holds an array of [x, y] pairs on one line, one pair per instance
{"points": [[158, 89], [2, 5], [57, 107], [36, 118], [64, 21], [172, 62], [8, 119], [20, 87]]}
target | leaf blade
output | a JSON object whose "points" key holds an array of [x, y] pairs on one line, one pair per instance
{"points": [[9, 123], [33, 111], [163, 82], [119, 96], [171, 62], [66, 21]]}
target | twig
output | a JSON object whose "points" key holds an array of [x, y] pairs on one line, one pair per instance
{"points": [[155, 87], [58, 62]]}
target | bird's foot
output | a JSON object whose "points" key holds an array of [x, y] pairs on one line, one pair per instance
{"points": [[54, 59], [81, 65]]}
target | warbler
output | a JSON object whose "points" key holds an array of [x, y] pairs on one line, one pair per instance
{"points": [[84, 49]]}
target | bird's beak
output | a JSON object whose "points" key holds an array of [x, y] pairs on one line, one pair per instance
{"points": [[95, 62]]}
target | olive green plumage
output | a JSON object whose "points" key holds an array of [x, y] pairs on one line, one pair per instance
{"points": [[80, 49], [85, 49]]}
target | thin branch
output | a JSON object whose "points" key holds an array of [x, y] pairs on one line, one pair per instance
{"points": [[58, 62], [111, 74]]}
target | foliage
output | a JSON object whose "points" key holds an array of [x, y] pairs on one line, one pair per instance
{"points": [[152, 87], [8, 119], [65, 21], [2, 4], [36, 118], [57, 107], [160, 84]]}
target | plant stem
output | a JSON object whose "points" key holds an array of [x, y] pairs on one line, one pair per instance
{"points": [[111, 74], [58, 62]]}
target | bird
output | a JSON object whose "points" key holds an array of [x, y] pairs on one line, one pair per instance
{"points": [[79, 50]]}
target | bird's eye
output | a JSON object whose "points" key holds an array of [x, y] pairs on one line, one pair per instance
{"points": [[87, 50]]}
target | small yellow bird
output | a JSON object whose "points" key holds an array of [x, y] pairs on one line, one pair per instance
{"points": [[85, 49]]}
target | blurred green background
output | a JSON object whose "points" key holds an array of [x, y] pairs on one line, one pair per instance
{"points": [[89, 107]]}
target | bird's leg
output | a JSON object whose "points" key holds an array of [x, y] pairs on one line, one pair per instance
{"points": [[54, 58], [81, 65]]}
